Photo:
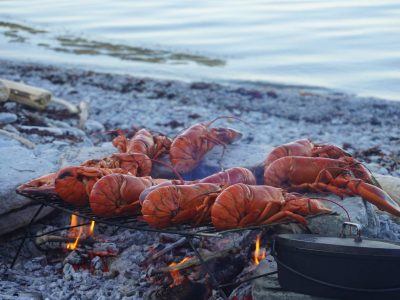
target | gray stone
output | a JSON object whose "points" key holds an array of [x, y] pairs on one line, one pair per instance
{"points": [[390, 185], [19, 165], [77, 155], [6, 118], [93, 126]]}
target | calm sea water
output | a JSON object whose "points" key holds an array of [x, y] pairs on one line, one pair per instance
{"points": [[352, 46]]}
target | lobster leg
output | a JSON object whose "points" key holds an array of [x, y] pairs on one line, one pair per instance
{"points": [[285, 214], [372, 194], [268, 211]]}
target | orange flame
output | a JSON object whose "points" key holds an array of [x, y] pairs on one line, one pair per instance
{"points": [[176, 276], [257, 256], [84, 231]]}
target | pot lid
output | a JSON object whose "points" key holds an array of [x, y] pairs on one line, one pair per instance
{"points": [[346, 245]]}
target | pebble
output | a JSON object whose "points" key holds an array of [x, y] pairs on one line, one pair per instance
{"points": [[7, 118]]}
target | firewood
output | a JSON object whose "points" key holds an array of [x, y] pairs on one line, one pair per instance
{"points": [[194, 261]]}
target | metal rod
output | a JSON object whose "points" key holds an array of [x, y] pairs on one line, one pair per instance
{"points": [[204, 264], [25, 236]]}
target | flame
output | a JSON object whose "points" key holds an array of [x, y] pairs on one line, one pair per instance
{"points": [[176, 276], [84, 231], [257, 256]]}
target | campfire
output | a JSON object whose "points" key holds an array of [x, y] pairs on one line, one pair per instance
{"points": [[214, 231]]}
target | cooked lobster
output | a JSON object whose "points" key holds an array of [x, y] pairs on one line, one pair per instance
{"points": [[42, 184], [179, 204], [305, 147], [137, 164], [189, 147], [118, 194], [242, 205], [74, 184], [142, 142], [344, 176]]}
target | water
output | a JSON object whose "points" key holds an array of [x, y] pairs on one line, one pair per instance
{"points": [[352, 46]]}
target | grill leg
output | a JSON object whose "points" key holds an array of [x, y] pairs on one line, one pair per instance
{"points": [[204, 264], [25, 235]]}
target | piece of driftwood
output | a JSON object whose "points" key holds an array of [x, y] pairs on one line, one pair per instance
{"points": [[4, 92], [83, 114], [20, 139], [25, 94], [194, 261]]}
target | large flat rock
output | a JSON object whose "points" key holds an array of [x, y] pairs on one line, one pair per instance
{"points": [[18, 165]]}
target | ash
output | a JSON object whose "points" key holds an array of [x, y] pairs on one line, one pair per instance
{"points": [[367, 128]]}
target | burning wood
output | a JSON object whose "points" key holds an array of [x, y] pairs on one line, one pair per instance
{"points": [[258, 256]]}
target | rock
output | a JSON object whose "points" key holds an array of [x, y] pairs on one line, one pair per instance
{"points": [[19, 165], [390, 185], [4, 92], [75, 156], [6, 118], [93, 126]]}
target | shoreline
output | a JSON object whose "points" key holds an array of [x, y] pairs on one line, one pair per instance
{"points": [[278, 114]]}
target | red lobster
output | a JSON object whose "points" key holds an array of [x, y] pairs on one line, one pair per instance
{"points": [[242, 205], [118, 194], [305, 147], [344, 176], [189, 147], [74, 184], [136, 164], [143, 142], [224, 178], [179, 204]]}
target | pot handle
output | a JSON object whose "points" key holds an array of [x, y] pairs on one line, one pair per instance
{"points": [[358, 227]]}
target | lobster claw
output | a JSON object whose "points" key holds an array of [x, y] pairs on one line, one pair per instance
{"points": [[375, 195]]}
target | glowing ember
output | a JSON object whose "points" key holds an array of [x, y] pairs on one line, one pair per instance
{"points": [[77, 233], [257, 255], [176, 276]]}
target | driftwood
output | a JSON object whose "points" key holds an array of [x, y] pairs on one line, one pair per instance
{"points": [[194, 261], [20, 139], [25, 94], [4, 92]]}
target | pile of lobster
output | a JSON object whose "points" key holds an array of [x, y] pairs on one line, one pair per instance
{"points": [[120, 184]]}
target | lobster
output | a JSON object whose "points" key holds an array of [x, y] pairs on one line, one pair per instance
{"points": [[42, 184], [137, 164], [224, 178], [344, 176], [305, 147], [143, 142], [242, 205], [74, 184], [189, 147], [118, 194], [179, 204]]}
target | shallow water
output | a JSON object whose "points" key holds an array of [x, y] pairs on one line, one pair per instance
{"points": [[353, 46]]}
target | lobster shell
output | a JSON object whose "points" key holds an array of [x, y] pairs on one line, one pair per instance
{"points": [[118, 194]]}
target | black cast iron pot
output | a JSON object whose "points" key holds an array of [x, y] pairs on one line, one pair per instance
{"points": [[343, 267]]}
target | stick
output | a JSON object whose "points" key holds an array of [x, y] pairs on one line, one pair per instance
{"points": [[194, 261], [20, 139], [25, 94], [170, 247], [71, 108]]}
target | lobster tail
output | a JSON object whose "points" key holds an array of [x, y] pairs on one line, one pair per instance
{"points": [[117, 194]]}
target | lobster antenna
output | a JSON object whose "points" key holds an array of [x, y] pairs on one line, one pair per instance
{"points": [[169, 167], [332, 201], [227, 117]]}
